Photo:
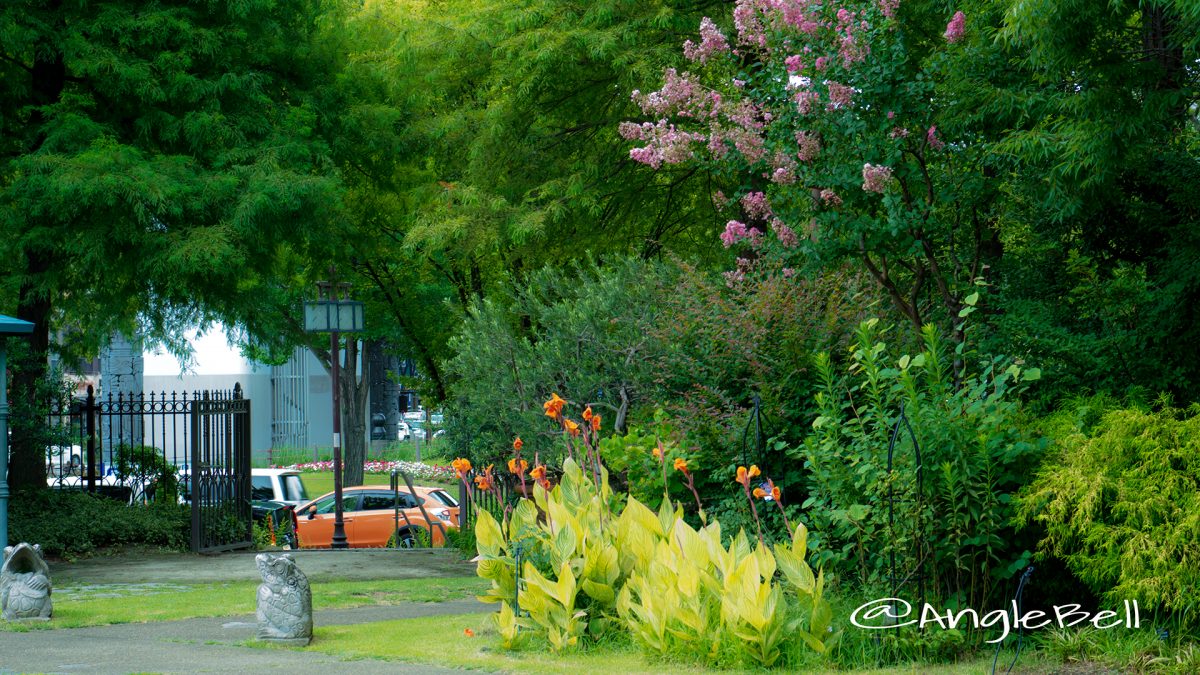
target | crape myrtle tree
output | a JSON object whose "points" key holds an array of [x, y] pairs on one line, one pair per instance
{"points": [[1038, 153], [155, 160], [826, 116]]}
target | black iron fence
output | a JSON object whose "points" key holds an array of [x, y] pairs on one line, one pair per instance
{"points": [[190, 448], [509, 491]]}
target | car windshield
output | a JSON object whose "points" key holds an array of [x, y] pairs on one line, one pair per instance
{"points": [[293, 489], [444, 498], [349, 503], [260, 488]]}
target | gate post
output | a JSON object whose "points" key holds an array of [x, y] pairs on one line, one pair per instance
{"points": [[194, 474], [241, 458], [89, 426]]}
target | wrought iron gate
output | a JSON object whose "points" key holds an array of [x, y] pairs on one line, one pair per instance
{"points": [[96, 444], [220, 472]]}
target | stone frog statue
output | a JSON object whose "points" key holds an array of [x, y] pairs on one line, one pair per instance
{"points": [[25, 584], [284, 601]]}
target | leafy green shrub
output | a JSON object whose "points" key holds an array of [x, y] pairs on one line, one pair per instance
{"points": [[462, 539], [975, 453], [71, 523], [1121, 505], [147, 467]]}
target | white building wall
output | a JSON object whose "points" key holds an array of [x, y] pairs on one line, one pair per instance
{"points": [[217, 365]]}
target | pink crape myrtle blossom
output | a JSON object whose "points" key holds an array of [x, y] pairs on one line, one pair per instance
{"points": [[956, 28], [785, 169], [793, 63], [681, 94], [876, 178], [850, 48], [748, 22], [719, 199], [806, 101], [889, 7], [784, 175], [933, 140], [665, 143], [808, 146], [840, 96], [830, 197], [712, 41], [785, 235], [735, 231], [756, 205]]}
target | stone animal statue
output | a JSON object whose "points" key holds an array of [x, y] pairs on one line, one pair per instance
{"points": [[284, 601], [25, 584]]}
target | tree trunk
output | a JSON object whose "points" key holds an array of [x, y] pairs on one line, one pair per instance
{"points": [[354, 389], [27, 458]]}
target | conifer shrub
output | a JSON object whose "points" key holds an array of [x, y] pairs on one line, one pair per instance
{"points": [[1120, 503]]}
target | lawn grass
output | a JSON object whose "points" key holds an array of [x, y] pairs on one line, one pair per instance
{"points": [[442, 641], [110, 604], [317, 483]]}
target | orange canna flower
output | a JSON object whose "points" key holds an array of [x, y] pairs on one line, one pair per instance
{"points": [[554, 406], [775, 493], [744, 476], [518, 444], [461, 466], [538, 472], [681, 465], [759, 493], [517, 467], [587, 414], [595, 423], [571, 427], [468, 632], [658, 452], [486, 481], [545, 483]]}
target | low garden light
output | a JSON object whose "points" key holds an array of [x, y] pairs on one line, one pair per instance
{"points": [[333, 312], [9, 327]]}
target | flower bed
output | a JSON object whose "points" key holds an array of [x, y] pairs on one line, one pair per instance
{"points": [[418, 470]]}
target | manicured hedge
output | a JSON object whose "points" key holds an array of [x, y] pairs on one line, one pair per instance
{"points": [[69, 523]]}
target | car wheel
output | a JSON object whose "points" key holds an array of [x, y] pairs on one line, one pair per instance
{"points": [[403, 539]]}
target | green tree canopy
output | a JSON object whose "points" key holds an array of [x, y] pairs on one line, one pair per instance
{"points": [[154, 159]]}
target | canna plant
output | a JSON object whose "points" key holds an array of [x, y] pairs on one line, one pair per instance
{"points": [[591, 560]]}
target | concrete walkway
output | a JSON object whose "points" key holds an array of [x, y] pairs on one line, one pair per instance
{"points": [[318, 565], [205, 646], [211, 645]]}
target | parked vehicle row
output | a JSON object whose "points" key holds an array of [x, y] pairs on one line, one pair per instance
{"points": [[370, 518]]}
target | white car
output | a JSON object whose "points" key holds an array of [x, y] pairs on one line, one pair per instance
{"points": [[279, 485], [403, 431]]}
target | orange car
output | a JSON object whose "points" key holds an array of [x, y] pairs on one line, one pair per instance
{"points": [[369, 517]]}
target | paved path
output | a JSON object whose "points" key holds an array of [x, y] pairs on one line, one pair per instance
{"points": [[318, 565], [210, 645], [205, 646]]}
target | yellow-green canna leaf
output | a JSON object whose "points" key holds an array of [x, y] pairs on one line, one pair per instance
{"points": [[489, 540], [766, 562], [602, 593], [800, 540]]}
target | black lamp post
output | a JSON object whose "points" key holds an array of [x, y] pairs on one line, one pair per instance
{"points": [[333, 312]]}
